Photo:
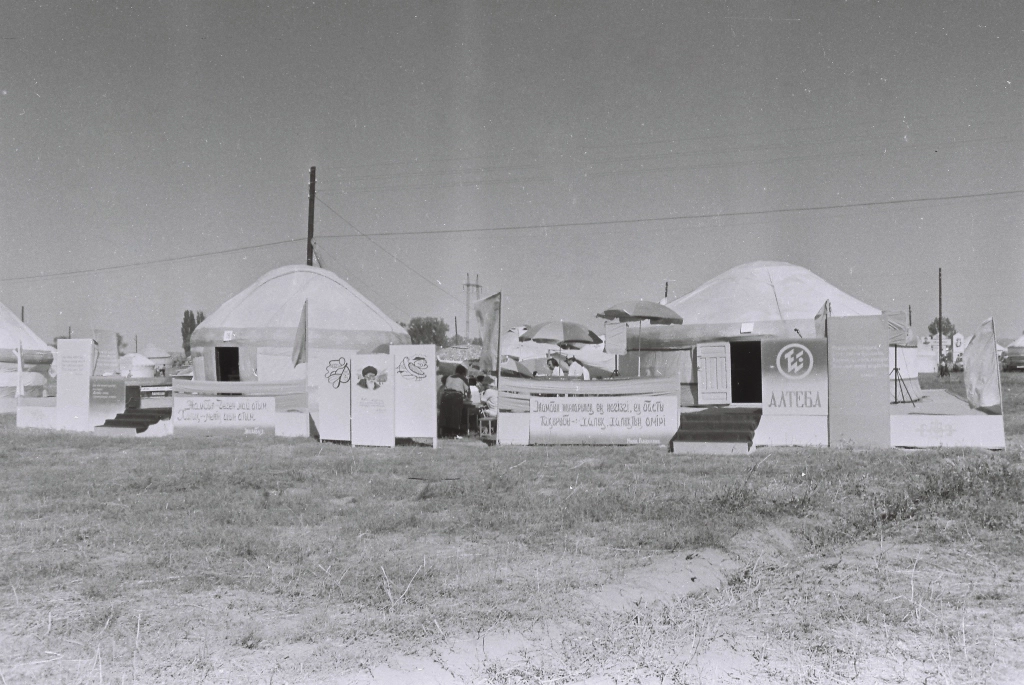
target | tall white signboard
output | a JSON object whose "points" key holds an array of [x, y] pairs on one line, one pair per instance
{"points": [[330, 392], [415, 390], [76, 364], [373, 400]]}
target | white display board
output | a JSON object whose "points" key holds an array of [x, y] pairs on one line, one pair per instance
{"points": [[246, 416], [373, 400], [609, 420], [415, 390], [330, 392], [76, 363]]}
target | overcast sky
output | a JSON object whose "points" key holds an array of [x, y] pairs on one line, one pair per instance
{"points": [[573, 154]]}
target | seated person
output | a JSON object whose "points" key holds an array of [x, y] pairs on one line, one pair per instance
{"points": [[474, 391], [554, 369], [577, 370], [488, 397]]}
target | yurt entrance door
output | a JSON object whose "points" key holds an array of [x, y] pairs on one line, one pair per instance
{"points": [[227, 364], [714, 382]]}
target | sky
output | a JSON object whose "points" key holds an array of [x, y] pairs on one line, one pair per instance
{"points": [[155, 157]]}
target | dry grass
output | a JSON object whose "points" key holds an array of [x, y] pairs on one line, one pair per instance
{"points": [[186, 560]]}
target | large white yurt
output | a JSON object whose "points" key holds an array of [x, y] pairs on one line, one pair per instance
{"points": [[758, 299], [37, 357], [251, 336]]}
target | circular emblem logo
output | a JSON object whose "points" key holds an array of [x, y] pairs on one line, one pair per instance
{"points": [[794, 361]]}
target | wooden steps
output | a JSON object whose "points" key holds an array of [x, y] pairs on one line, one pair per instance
{"points": [[726, 430]]}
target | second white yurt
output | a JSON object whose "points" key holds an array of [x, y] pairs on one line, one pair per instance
{"points": [[252, 335]]}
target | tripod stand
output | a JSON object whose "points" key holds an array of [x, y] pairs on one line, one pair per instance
{"points": [[898, 384]]}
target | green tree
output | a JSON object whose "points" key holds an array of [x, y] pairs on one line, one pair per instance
{"points": [[188, 325], [948, 329], [428, 330]]}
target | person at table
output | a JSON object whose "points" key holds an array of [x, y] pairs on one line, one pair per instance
{"points": [[488, 397], [577, 370], [554, 370], [458, 382]]}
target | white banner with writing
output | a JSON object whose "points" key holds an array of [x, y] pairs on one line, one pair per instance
{"points": [[618, 420], [252, 416]]}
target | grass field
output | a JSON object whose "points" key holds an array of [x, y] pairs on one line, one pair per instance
{"points": [[188, 560]]}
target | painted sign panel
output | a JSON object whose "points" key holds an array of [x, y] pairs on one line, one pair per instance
{"points": [[858, 379], [794, 376], [415, 390], [246, 416], [373, 400], [617, 420], [330, 392], [106, 398]]}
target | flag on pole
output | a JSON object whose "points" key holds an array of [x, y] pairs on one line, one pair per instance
{"points": [[821, 320], [981, 371], [19, 391], [299, 348], [488, 319]]}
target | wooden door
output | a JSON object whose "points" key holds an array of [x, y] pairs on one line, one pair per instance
{"points": [[714, 375]]}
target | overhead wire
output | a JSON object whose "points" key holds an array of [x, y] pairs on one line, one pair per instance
{"points": [[386, 251], [151, 262], [319, 252], [690, 217], [494, 229]]}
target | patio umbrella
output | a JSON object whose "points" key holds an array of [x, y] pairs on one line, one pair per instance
{"points": [[641, 310], [561, 333]]}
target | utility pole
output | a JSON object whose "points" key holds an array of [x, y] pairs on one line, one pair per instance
{"points": [[910, 316], [309, 235], [23, 313], [472, 294], [940, 321]]}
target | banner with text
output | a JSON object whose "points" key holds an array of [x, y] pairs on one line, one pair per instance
{"points": [[415, 390], [330, 392], [621, 420], [246, 416], [794, 377], [373, 400]]}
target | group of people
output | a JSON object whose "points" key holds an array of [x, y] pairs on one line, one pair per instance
{"points": [[575, 370], [462, 400]]}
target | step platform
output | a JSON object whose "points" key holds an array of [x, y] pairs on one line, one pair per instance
{"points": [[726, 430], [133, 422]]}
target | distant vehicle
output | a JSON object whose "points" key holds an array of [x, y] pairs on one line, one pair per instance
{"points": [[1013, 358]]}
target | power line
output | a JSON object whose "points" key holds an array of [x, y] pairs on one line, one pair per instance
{"points": [[385, 250], [688, 217], [319, 252], [166, 260], [579, 224]]}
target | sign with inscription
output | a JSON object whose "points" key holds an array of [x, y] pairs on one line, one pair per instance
{"points": [[373, 400], [794, 376], [246, 416], [858, 375], [106, 398], [616, 420]]}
